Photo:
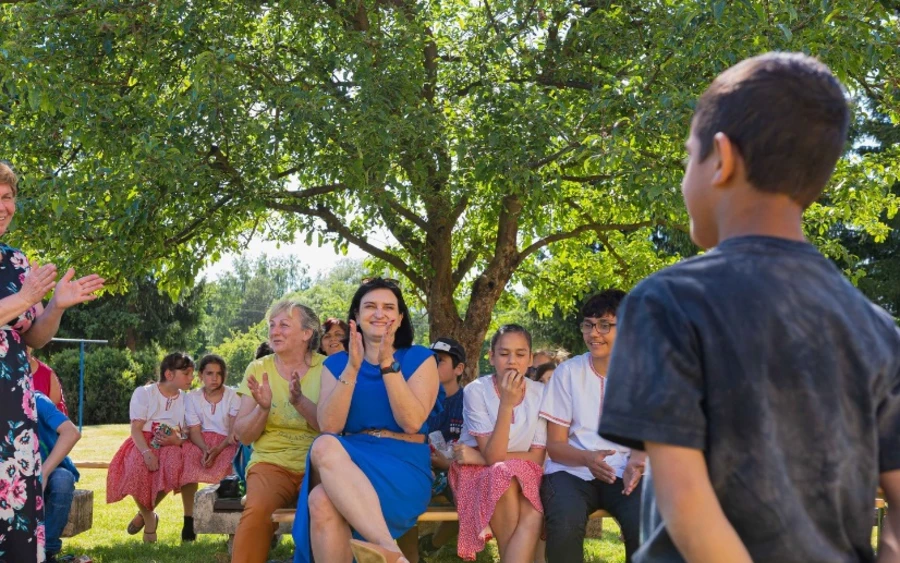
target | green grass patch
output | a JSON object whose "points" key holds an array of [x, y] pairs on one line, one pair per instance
{"points": [[107, 541]]}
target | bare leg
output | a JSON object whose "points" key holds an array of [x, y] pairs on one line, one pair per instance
{"points": [[187, 498], [506, 517], [540, 555], [522, 546], [445, 532], [409, 544], [329, 532], [350, 491]]}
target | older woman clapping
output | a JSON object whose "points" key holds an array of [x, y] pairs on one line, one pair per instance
{"points": [[278, 417], [23, 321], [372, 474]]}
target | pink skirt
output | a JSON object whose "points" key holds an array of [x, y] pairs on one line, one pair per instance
{"points": [[194, 472], [477, 489], [128, 474]]}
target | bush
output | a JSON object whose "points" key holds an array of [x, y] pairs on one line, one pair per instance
{"points": [[109, 380]]}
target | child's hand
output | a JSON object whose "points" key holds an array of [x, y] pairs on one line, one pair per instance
{"points": [[150, 461], [172, 439], [210, 457], [632, 475], [512, 387], [599, 468], [466, 455]]}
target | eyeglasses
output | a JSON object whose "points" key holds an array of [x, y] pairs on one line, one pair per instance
{"points": [[603, 327], [389, 281]]}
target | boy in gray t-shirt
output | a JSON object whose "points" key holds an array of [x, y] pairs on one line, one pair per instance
{"points": [[764, 387]]}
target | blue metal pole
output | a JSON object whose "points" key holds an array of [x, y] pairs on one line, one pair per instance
{"points": [[81, 389]]}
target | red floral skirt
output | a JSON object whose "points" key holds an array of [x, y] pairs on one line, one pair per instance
{"points": [[195, 472], [128, 474], [477, 489]]}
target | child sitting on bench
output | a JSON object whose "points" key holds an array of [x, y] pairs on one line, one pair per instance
{"points": [[57, 436]]}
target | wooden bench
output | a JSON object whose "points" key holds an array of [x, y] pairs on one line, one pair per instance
{"points": [[81, 514], [433, 514]]}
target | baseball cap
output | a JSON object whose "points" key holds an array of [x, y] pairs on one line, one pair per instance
{"points": [[451, 347]]}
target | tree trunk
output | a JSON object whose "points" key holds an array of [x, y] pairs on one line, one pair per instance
{"points": [[470, 333]]}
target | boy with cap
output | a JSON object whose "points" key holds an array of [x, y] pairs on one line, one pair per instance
{"points": [[451, 360], [763, 385]]}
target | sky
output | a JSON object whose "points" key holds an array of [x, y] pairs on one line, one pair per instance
{"points": [[319, 259]]}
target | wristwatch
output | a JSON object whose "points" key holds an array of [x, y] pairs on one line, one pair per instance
{"points": [[393, 368]]}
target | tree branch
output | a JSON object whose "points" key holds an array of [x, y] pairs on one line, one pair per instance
{"points": [[311, 192], [535, 164], [598, 227], [334, 224], [185, 234], [465, 264]]}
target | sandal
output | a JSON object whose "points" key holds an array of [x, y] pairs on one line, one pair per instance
{"points": [[365, 552], [150, 537], [134, 528]]}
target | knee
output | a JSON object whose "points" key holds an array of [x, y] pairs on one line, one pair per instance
{"points": [[61, 481], [321, 509], [512, 492], [326, 450], [564, 522]]}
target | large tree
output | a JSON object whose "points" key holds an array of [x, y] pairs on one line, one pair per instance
{"points": [[466, 144]]}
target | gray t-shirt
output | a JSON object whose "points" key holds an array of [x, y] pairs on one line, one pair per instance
{"points": [[761, 354]]}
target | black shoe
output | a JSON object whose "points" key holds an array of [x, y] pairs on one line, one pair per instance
{"points": [[426, 546], [187, 531]]}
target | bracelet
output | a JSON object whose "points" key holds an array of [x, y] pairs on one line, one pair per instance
{"points": [[145, 451], [345, 382]]}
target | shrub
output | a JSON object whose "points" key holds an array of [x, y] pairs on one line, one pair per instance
{"points": [[109, 380]]}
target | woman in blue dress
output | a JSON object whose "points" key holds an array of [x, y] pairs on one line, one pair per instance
{"points": [[369, 474]]}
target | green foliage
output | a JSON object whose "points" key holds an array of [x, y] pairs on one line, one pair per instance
{"points": [[239, 299], [110, 377], [239, 350], [532, 142], [141, 316]]}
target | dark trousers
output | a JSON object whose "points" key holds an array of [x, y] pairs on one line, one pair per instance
{"points": [[568, 501]]}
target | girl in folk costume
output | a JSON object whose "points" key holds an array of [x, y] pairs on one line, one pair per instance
{"points": [[210, 414], [497, 472], [149, 464]]}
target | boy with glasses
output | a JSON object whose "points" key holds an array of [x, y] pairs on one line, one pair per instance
{"points": [[585, 472]]}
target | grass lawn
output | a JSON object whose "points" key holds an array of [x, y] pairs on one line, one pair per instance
{"points": [[107, 541]]}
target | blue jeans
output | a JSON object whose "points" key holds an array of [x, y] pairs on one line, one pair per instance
{"points": [[57, 503], [569, 500]]}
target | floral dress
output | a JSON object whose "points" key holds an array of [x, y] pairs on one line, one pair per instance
{"points": [[21, 503]]}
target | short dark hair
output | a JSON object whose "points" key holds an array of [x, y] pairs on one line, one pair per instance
{"points": [[213, 359], [509, 329], [787, 116], [604, 303], [327, 325], [405, 335], [263, 350], [174, 361], [544, 368]]}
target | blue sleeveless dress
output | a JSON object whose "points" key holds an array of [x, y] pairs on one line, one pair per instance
{"points": [[399, 471]]}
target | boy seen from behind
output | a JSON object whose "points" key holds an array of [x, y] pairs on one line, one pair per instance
{"points": [[763, 385]]}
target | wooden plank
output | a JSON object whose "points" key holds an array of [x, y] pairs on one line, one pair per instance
{"points": [[433, 514], [91, 465]]}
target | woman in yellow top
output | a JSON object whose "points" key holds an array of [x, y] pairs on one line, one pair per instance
{"points": [[278, 417]]}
